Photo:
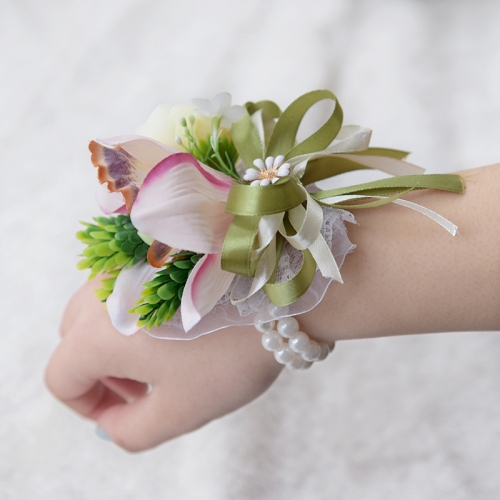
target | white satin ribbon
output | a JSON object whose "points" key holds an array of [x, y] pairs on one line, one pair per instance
{"points": [[268, 226], [442, 221], [350, 139], [385, 164], [439, 219], [308, 222]]}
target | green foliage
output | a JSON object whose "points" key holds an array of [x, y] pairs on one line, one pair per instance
{"points": [[112, 244], [223, 158], [217, 151], [108, 285], [161, 296]]}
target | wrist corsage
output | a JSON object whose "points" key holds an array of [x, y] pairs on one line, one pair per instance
{"points": [[213, 218]]}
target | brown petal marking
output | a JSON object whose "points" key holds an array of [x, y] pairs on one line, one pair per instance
{"points": [[117, 168], [158, 253]]}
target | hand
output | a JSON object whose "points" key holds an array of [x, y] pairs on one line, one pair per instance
{"points": [[143, 391]]}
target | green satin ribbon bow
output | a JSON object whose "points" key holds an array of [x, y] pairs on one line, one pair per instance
{"points": [[277, 136]]}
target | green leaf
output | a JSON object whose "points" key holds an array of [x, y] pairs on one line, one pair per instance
{"points": [[121, 236], [141, 322], [113, 245], [168, 291], [100, 235], [183, 264], [163, 293], [162, 313], [108, 284], [110, 263], [134, 238], [174, 305], [128, 248], [103, 250], [148, 291], [102, 294], [141, 251], [89, 252], [85, 263], [97, 266], [151, 299], [154, 282], [122, 259], [179, 276], [144, 309], [151, 321]]}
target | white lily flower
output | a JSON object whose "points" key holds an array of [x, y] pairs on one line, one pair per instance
{"points": [[220, 106]]}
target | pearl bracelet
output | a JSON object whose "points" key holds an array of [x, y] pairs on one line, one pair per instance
{"points": [[299, 352]]}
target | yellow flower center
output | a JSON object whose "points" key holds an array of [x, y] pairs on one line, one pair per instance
{"points": [[268, 174]]}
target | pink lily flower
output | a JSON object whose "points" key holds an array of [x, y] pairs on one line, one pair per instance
{"points": [[122, 164], [181, 204]]}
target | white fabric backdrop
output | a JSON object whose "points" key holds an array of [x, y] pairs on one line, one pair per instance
{"points": [[404, 418]]}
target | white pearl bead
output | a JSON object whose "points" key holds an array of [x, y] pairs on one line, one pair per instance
{"points": [[299, 342], [272, 341], [288, 327], [264, 327], [313, 353], [307, 364], [262, 316], [296, 363], [284, 355], [325, 351], [274, 311], [263, 323]]}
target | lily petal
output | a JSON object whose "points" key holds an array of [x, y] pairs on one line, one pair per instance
{"points": [[123, 162], [158, 253], [182, 204], [126, 293], [220, 103], [206, 284], [234, 113], [109, 202]]}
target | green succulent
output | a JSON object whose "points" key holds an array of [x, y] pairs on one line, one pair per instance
{"points": [[113, 243], [162, 296]]}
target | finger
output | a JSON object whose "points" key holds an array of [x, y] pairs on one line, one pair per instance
{"points": [[142, 424], [126, 388]]}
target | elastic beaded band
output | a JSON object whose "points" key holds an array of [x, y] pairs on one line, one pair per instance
{"points": [[291, 347]]}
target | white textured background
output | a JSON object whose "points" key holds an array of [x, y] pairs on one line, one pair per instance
{"points": [[398, 419]]}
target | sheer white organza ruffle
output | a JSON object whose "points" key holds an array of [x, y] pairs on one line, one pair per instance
{"points": [[226, 314]]}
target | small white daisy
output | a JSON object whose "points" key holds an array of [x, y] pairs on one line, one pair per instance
{"points": [[269, 172]]}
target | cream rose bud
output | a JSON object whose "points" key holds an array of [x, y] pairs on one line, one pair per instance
{"points": [[164, 125]]}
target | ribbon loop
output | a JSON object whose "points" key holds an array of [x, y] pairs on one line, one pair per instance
{"points": [[285, 132]]}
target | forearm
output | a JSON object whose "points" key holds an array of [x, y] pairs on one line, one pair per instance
{"points": [[408, 275]]}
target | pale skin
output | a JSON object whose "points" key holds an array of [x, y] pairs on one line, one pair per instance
{"points": [[407, 276]]}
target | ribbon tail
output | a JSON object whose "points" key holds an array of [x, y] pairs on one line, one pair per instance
{"points": [[265, 269], [325, 260], [442, 221], [268, 226]]}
